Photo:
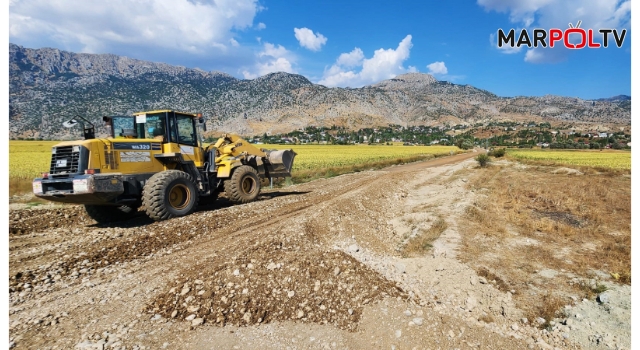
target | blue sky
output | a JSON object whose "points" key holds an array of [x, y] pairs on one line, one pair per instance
{"points": [[343, 43]]}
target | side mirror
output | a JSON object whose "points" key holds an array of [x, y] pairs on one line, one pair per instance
{"points": [[87, 127], [70, 123], [202, 123]]}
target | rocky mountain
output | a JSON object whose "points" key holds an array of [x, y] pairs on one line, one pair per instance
{"points": [[48, 86], [616, 98]]}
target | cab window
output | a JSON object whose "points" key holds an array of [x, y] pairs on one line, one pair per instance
{"points": [[123, 126], [152, 127], [186, 130]]}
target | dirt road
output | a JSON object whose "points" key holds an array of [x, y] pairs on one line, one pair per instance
{"points": [[317, 265]]}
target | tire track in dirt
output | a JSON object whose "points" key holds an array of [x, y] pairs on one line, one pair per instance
{"points": [[238, 228], [262, 233], [140, 243], [201, 228], [210, 290]]}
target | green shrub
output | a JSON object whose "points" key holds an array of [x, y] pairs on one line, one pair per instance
{"points": [[466, 144], [497, 153], [482, 159]]}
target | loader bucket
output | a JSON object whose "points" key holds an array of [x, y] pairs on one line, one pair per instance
{"points": [[279, 163]]}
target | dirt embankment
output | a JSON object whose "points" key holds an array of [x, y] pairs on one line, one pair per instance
{"points": [[327, 264]]}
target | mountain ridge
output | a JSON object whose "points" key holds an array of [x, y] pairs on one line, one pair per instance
{"points": [[48, 86]]}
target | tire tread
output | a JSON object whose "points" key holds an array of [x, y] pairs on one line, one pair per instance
{"points": [[154, 191], [232, 187]]}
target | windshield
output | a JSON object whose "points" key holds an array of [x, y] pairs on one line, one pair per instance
{"points": [[182, 127], [145, 126]]}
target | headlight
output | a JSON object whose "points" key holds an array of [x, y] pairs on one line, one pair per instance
{"points": [[37, 187], [75, 148], [80, 186], [53, 150]]}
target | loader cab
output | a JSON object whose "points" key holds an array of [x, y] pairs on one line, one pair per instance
{"points": [[178, 132]]}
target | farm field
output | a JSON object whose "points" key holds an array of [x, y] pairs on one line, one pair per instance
{"points": [[602, 159], [29, 159], [314, 157]]}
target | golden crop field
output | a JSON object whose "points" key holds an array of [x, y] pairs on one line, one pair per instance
{"points": [[312, 157], [29, 159], [604, 159]]}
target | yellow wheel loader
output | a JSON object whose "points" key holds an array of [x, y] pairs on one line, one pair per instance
{"points": [[156, 160]]}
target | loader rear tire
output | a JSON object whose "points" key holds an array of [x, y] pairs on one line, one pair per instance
{"points": [[104, 214], [243, 186], [169, 194]]}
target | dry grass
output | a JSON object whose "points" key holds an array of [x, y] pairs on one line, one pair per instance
{"points": [[528, 220], [422, 241], [590, 292], [493, 278], [549, 307]]}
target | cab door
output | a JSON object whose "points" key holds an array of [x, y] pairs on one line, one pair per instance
{"points": [[187, 138]]}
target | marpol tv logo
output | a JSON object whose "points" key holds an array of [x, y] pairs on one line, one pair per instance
{"points": [[572, 37]]}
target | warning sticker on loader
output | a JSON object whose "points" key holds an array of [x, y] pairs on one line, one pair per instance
{"points": [[134, 157], [186, 149]]}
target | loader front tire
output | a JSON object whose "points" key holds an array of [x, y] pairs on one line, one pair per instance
{"points": [[104, 214], [243, 186], [169, 194]]}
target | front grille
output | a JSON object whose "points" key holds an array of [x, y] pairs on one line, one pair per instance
{"points": [[64, 161]]}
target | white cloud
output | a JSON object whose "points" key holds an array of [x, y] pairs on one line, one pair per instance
{"points": [[261, 26], [272, 58], [437, 68], [540, 55], [279, 64], [103, 26], [534, 56], [351, 59], [271, 50], [308, 39], [249, 75], [547, 14], [234, 42], [385, 64], [519, 11]]}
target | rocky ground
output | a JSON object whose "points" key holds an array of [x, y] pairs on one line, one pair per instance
{"points": [[312, 266]]}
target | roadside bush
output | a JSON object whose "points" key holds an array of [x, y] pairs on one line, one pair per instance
{"points": [[464, 144], [482, 159], [497, 153]]}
